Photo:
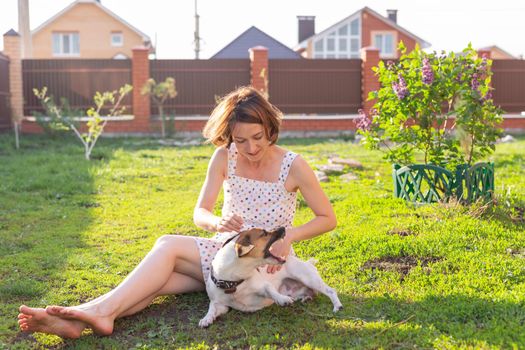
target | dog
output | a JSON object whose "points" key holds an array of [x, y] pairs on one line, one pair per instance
{"points": [[238, 281]]}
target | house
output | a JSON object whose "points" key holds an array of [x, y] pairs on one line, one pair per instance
{"points": [[497, 53], [361, 29], [85, 29], [252, 37]]}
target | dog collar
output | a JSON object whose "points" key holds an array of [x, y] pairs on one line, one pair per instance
{"points": [[228, 286]]}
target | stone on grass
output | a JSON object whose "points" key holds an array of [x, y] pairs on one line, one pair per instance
{"points": [[506, 139], [332, 168], [179, 143], [348, 177], [321, 176], [352, 163]]}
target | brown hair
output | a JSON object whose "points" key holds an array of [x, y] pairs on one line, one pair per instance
{"points": [[244, 105]]}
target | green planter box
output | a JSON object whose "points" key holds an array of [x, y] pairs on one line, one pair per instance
{"points": [[427, 183]]}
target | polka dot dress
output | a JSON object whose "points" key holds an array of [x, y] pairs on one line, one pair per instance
{"points": [[261, 204]]}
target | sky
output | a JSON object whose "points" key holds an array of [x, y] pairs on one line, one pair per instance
{"points": [[446, 24]]}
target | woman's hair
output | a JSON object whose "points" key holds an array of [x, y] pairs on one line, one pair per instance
{"points": [[244, 105]]}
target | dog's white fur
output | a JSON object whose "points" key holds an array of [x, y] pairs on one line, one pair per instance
{"points": [[296, 280]]}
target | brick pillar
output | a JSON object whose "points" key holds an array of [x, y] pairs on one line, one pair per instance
{"points": [[369, 81], [259, 68], [139, 76], [13, 49]]}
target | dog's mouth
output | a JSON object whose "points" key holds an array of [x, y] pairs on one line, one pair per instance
{"points": [[279, 260], [276, 235]]}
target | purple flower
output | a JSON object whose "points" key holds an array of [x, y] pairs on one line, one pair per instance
{"points": [[428, 74], [362, 122], [488, 96], [400, 88], [474, 83], [483, 66]]}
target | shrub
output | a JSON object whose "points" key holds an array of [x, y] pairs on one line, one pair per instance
{"points": [[437, 104]]}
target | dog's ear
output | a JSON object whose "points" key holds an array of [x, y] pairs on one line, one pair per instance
{"points": [[243, 250], [243, 246]]}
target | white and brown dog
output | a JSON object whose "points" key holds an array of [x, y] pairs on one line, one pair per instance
{"points": [[236, 280]]}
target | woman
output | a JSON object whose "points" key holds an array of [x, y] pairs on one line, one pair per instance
{"points": [[260, 181]]}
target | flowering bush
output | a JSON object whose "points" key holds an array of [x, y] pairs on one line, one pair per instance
{"points": [[439, 105]]}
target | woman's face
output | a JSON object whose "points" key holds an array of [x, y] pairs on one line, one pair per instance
{"points": [[251, 140]]}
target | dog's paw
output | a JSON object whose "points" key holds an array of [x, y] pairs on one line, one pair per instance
{"points": [[205, 322], [284, 300], [337, 308]]}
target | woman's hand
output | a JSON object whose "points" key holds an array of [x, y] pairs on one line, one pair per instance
{"points": [[229, 223], [280, 248]]}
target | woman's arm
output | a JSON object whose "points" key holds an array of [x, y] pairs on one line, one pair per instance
{"points": [[303, 178], [203, 213]]}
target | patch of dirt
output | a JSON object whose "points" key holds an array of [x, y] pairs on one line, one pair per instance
{"points": [[401, 232], [87, 204], [400, 264], [518, 217]]}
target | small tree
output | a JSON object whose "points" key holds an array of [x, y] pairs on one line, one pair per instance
{"points": [[95, 124], [56, 119], [159, 93]]}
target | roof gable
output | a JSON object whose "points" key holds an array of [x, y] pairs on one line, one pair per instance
{"points": [[358, 13], [100, 6], [253, 36]]}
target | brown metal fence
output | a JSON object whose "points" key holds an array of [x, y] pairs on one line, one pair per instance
{"points": [[5, 111], [509, 84], [75, 80], [199, 83], [328, 86]]}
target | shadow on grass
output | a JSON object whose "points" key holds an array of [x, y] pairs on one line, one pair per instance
{"points": [[380, 322], [46, 191]]}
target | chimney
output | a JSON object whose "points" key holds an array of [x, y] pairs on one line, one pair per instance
{"points": [[392, 15], [23, 28], [306, 27]]}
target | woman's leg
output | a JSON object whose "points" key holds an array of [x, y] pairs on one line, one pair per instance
{"points": [[154, 274], [177, 284]]}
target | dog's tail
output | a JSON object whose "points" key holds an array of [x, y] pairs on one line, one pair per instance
{"points": [[312, 261]]}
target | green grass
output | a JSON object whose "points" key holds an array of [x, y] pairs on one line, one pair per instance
{"points": [[437, 276]]}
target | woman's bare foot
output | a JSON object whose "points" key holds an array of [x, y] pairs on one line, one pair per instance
{"points": [[101, 325], [38, 320]]}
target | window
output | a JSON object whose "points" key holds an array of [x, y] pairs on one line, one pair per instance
{"points": [[330, 44], [66, 44], [319, 46], [343, 44], [385, 43], [354, 27], [343, 41], [117, 39]]}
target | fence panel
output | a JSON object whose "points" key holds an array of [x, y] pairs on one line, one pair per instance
{"points": [[75, 79], [5, 111], [509, 84], [323, 86], [199, 83]]}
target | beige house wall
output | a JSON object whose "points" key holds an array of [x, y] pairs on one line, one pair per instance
{"points": [[94, 27]]}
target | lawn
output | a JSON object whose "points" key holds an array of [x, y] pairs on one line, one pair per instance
{"points": [[437, 276]]}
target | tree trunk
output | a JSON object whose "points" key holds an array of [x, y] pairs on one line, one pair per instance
{"points": [[163, 121]]}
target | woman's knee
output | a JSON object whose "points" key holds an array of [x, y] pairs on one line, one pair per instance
{"points": [[168, 241]]}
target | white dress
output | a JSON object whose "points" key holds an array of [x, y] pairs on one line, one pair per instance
{"points": [[261, 204]]}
